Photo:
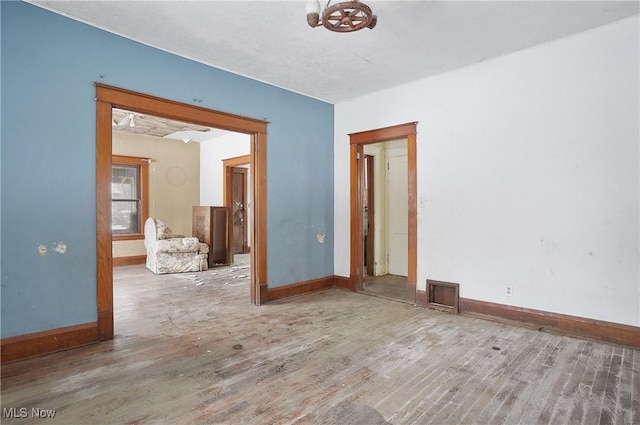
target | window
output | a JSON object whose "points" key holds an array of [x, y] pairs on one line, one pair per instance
{"points": [[129, 196]]}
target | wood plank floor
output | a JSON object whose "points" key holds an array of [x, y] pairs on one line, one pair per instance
{"points": [[189, 349]]}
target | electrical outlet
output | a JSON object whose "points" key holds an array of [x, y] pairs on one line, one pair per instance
{"points": [[508, 290]]}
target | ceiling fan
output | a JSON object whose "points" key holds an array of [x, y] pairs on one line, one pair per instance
{"points": [[346, 16], [122, 118]]}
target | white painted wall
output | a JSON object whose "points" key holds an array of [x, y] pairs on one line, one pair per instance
{"points": [[528, 174], [212, 153]]}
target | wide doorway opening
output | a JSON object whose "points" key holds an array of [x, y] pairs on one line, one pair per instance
{"points": [[109, 99]]}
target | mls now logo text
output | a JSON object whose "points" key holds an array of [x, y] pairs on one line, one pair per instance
{"points": [[23, 412]]}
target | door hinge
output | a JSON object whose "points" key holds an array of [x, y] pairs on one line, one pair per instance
{"points": [[357, 155]]}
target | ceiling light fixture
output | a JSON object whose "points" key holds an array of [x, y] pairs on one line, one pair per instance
{"points": [[346, 16]]}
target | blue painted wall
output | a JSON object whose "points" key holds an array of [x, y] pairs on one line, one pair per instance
{"points": [[49, 64]]}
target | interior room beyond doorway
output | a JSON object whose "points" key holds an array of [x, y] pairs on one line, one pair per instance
{"points": [[385, 219]]}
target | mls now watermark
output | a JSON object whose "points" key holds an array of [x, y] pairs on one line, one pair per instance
{"points": [[23, 412]]}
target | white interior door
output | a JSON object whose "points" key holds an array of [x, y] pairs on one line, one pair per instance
{"points": [[398, 214]]}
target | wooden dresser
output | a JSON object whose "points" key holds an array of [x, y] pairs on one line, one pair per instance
{"points": [[211, 226]]}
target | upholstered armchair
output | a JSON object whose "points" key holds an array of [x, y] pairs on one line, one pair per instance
{"points": [[167, 253]]}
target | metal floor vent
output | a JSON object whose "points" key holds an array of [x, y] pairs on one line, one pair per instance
{"points": [[443, 296]]}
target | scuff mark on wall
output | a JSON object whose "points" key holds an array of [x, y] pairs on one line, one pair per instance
{"points": [[550, 250], [60, 247], [320, 232]]}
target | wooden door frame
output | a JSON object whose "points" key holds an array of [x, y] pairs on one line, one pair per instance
{"points": [[109, 97], [227, 190], [371, 213], [357, 141]]}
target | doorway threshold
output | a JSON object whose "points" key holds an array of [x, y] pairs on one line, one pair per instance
{"points": [[384, 297]]}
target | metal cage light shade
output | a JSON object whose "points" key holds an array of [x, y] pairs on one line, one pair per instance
{"points": [[346, 16]]}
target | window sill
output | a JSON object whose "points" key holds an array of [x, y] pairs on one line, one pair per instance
{"points": [[137, 236]]}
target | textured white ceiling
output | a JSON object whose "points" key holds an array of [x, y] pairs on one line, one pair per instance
{"points": [[270, 41]]}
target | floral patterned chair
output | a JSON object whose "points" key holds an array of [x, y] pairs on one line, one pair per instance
{"points": [[169, 253]]}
